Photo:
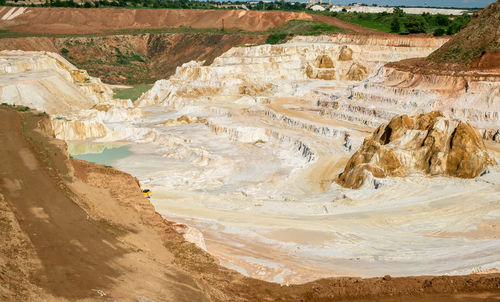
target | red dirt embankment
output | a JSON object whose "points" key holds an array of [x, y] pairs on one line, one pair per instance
{"points": [[56, 20]]}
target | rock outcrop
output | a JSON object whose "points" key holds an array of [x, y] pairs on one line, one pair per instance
{"points": [[426, 143], [357, 72], [47, 82], [322, 68]]}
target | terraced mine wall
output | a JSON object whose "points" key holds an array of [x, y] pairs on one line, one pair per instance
{"points": [[256, 71], [251, 144], [472, 96], [134, 58]]}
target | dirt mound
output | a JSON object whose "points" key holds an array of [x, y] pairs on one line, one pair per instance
{"points": [[477, 45], [84, 21], [427, 143]]}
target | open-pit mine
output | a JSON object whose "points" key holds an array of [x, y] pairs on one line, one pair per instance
{"points": [[319, 157]]}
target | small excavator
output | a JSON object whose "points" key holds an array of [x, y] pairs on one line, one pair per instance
{"points": [[147, 193]]}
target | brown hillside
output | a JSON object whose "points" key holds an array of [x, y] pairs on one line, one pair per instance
{"points": [[477, 45], [56, 20]]}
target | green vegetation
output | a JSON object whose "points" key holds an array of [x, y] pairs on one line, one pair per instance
{"points": [[131, 93], [438, 32], [64, 52], [400, 22], [299, 27], [276, 38], [395, 25], [415, 24], [16, 107], [477, 39], [123, 59], [178, 4]]}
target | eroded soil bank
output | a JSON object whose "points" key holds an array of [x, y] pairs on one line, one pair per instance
{"points": [[59, 20]]}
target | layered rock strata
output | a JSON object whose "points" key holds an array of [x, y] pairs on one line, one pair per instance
{"points": [[427, 143]]}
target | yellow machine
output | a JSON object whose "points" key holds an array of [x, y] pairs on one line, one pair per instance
{"points": [[147, 193]]}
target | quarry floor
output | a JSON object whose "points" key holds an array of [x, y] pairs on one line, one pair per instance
{"points": [[268, 213]]}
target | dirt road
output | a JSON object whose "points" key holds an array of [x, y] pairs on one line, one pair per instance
{"points": [[80, 256]]}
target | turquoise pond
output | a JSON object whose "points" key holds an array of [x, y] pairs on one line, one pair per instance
{"points": [[108, 156]]}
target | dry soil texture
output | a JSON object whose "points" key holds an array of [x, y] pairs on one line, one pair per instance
{"points": [[84, 21]]}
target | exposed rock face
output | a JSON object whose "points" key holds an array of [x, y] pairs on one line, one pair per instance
{"points": [[121, 59], [357, 72], [345, 54], [427, 143], [79, 104], [47, 82], [322, 68], [474, 97], [265, 70]]}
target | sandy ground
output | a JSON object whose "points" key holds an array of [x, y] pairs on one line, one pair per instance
{"points": [[82, 252]]}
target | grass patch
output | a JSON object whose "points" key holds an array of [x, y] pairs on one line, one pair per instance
{"points": [[406, 23], [64, 52], [16, 107], [131, 93], [299, 27], [124, 59], [276, 38]]}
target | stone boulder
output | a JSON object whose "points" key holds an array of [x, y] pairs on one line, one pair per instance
{"points": [[345, 54], [427, 143], [322, 68], [357, 72]]}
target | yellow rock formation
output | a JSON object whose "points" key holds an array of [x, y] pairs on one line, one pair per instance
{"points": [[426, 143]]}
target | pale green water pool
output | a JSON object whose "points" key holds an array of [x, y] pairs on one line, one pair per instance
{"points": [[108, 156]]}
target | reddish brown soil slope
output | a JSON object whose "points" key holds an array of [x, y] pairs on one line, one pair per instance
{"points": [[348, 26], [75, 252], [78, 21], [480, 38]]}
